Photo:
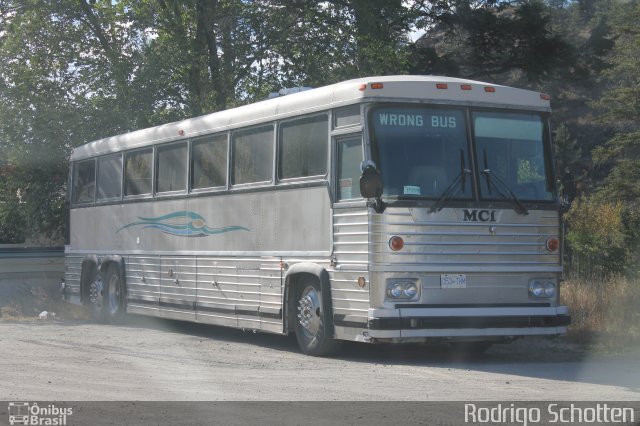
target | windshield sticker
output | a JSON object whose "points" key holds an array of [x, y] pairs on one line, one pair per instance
{"points": [[182, 224], [411, 190]]}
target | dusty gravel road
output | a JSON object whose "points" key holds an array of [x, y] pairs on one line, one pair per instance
{"points": [[148, 359]]}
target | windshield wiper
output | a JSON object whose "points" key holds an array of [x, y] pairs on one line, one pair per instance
{"points": [[452, 190], [502, 188]]}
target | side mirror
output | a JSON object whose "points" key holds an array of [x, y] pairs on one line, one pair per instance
{"points": [[370, 182]]}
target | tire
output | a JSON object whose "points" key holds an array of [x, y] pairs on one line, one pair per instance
{"points": [[106, 296], [313, 327]]}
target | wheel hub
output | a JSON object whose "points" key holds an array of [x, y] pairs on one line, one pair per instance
{"points": [[113, 294], [309, 312], [95, 292]]}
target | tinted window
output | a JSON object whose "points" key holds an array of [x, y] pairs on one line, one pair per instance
{"points": [[253, 155], [349, 159], [172, 168], [347, 116], [209, 162], [514, 148], [84, 184], [137, 172], [303, 147], [110, 177], [420, 151]]}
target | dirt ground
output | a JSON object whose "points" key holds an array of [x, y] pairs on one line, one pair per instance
{"points": [[26, 298], [153, 359], [147, 359]]}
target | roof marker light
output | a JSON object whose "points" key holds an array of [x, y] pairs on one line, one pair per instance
{"points": [[465, 86], [377, 85], [442, 86], [490, 89], [545, 97], [363, 86]]}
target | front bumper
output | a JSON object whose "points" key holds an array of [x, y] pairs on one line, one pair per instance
{"points": [[467, 322]]}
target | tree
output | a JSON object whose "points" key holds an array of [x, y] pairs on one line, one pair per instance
{"points": [[67, 76], [492, 41], [620, 106]]}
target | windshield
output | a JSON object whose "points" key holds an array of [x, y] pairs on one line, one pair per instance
{"points": [[511, 146], [421, 151]]}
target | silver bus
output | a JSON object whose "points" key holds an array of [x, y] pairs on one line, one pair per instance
{"points": [[385, 209]]}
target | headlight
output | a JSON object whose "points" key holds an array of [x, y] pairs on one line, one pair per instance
{"points": [[410, 291], [541, 288], [396, 290], [402, 290], [549, 289]]}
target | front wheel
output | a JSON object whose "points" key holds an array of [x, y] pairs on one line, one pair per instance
{"points": [[312, 325]]}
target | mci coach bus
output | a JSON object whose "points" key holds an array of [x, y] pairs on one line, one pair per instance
{"points": [[386, 209]]}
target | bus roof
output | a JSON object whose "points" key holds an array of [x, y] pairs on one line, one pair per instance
{"points": [[410, 88]]}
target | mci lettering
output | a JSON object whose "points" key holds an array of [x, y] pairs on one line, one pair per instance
{"points": [[478, 215]]}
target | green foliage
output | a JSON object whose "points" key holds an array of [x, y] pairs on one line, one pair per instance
{"points": [[620, 105], [597, 236], [12, 224], [567, 150], [492, 41]]}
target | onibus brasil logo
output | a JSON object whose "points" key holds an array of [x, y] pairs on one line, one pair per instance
{"points": [[25, 413]]}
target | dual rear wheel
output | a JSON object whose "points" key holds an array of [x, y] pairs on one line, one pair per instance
{"points": [[106, 295]]}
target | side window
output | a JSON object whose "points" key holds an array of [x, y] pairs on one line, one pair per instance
{"points": [[346, 116], [171, 174], [303, 147], [84, 181], [349, 159], [138, 166], [252, 155], [110, 177], [209, 162]]}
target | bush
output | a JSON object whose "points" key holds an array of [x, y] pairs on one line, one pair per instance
{"points": [[12, 224], [603, 310], [597, 237]]}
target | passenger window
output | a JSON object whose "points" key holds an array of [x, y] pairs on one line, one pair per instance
{"points": [[84, 183], [303, 147], [110, 177], [346, 116], [171, 174], [349, 159], [137, 172], [252, 155], [209, 162]]}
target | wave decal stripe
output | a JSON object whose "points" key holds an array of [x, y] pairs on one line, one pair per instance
{"points": [[182, 224], [184, 213]]}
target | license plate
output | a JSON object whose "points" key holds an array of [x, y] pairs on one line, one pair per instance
{"points": [[453, 281]]}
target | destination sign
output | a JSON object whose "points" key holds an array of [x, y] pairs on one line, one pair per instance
{"points": [[417, 120]]}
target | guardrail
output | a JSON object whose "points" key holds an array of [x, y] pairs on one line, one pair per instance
{"points": [[32, 262]]}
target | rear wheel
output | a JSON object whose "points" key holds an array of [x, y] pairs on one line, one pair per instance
{"points": [[313, 322], [105, 296]]}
